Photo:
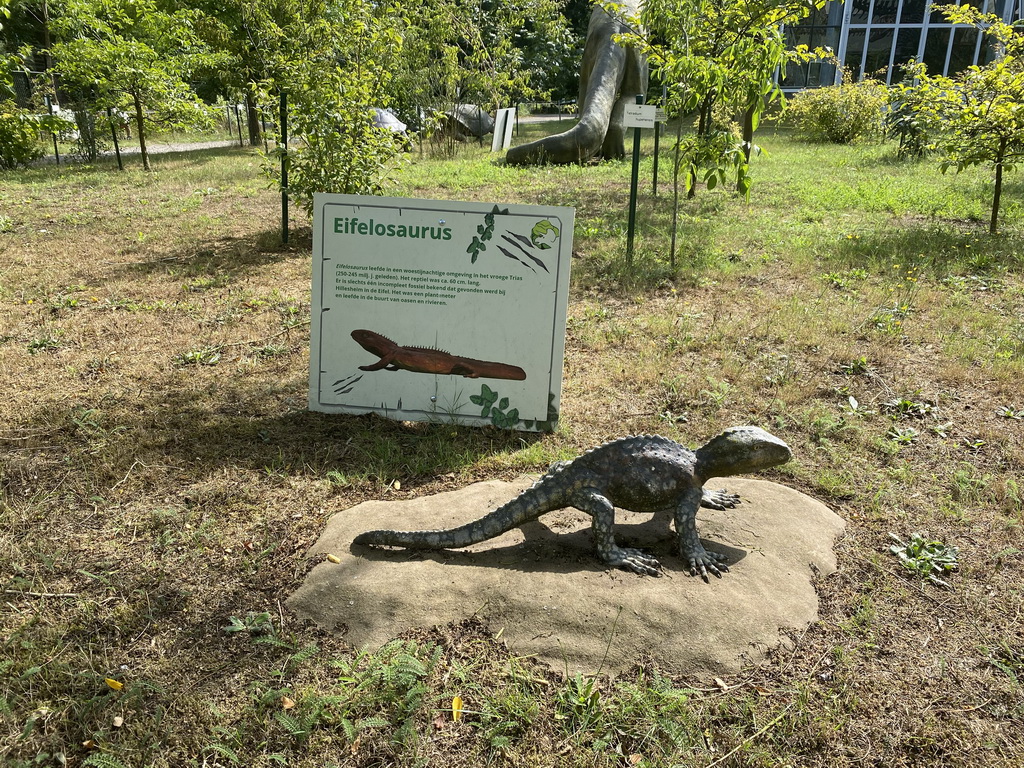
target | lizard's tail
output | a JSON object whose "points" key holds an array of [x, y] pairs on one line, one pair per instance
{"points": [[528, 505]]}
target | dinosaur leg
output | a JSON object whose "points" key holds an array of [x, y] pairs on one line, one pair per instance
{"points": [[690, 549], [720, 499], [602, 513], [382, 363]]}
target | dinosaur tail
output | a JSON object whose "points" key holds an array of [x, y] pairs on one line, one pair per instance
{"points": [[607, 69], [528, 505]]}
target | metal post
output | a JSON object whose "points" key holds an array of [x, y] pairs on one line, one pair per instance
{"points": [[657, 136], [56, 152], [113, 134], [284, 168], [632, 189], [238, 125]]}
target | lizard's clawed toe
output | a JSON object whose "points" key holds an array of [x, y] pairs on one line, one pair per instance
{"points": [[636, 561]]}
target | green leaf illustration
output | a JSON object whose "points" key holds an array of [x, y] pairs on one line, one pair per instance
{"points": [[543, 234]]}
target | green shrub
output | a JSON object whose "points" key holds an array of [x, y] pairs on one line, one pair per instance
{"points": [[909, 120], [21, 133], [840, 114], [19, 136]]}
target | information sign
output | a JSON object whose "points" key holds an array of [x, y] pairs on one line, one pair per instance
{"points": [[639, 116], [504, 122], [439, 311]]}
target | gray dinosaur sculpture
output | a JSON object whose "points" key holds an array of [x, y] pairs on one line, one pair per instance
{"points": [[644, 473], [610, 78]]}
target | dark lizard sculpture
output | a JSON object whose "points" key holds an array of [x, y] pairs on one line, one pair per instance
{"points": [[645, 473], [394, 357]]}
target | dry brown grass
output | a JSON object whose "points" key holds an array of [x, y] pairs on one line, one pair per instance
{"points": [[161, 473]]}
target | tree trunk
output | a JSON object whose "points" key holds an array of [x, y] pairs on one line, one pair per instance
{"points": [[1000, 156], [142, 131], [748, 131], [252, 117]]}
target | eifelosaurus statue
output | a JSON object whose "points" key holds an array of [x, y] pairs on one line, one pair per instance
{"points": [[610, 77], [644, 473]]}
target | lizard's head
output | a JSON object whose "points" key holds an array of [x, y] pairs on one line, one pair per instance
{"points": [[739, 450], [370, 341]]}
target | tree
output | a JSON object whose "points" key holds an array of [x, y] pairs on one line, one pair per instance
{"points": [[131, 54], [332, 60], [717, 58], [978, 115]]}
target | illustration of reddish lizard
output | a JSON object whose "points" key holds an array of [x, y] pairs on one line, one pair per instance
{"points": [[394, 357]]}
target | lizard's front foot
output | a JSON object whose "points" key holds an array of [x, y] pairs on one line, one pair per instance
{"points": [[633, 560], [701, 561], [720, 499]]}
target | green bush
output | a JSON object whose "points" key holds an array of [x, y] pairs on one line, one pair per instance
{"points": [[21, 133], [840, 114]]}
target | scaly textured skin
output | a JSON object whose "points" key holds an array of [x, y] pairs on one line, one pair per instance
{"points": [[395, 357], [645, 473]]}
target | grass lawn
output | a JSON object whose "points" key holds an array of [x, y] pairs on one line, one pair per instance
{"points": [[162, 479]]}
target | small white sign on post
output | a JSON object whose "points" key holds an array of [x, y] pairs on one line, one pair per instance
{"points": [[441, 311], [504, 122], [639, 116]]}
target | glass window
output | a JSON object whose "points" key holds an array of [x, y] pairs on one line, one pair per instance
{"points": [[796, 76], [906, 45], [855, 53], [962, 56], [820, 73], [913, 11], [876, 59], [906, 49], [935, 50], [885, 12], [859, 14]]}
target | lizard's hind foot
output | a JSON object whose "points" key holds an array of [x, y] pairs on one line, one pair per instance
{"points": [[634, 560]]}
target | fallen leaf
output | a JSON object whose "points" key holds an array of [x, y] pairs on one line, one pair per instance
{"points": [[89, 744], [334, 558], [114, 684], [457, 708], [439, 722], [721, 684], [117, 722], [287, 703]]}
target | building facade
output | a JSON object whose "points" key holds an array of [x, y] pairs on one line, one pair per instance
{"points": [[875, 38]]}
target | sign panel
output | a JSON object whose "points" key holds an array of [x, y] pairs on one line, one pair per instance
{"points": [[504, 122], [660, 115], [639, 116], [442, 311]]}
